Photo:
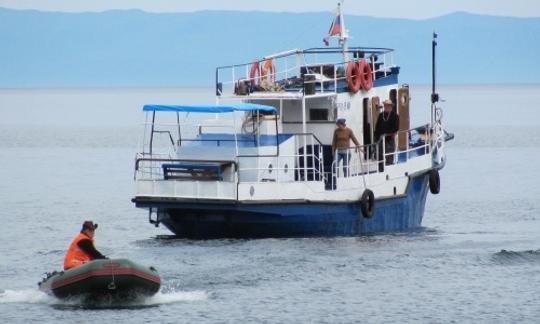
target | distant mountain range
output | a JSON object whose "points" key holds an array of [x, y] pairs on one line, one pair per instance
{"points": [[136, 48]]}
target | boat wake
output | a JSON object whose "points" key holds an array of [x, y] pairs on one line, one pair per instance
{"points": [[34, 296], [517, 257], [29, 296], [175, 297]]}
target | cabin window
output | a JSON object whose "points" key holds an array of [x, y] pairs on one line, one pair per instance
{"points": [[318, 114]]}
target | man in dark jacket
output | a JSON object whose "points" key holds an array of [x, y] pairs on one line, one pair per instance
{"points": [[387, 126]]}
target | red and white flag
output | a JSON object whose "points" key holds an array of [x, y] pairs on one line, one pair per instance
{"points": [[335, 29]]}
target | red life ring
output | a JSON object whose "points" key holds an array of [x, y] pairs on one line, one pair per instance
{"points": [[366, 77], [268, 70], [254, 74], [353, 77]]}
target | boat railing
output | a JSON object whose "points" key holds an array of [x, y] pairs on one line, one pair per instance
{"points": [[373, 158], [148, 166], [412, 143], [361, 161], [308, 72], [306, 163], [409, 143], [185, 169], [301, 160]]}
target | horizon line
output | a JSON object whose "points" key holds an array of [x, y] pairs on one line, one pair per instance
{"points": [[258, 11]]}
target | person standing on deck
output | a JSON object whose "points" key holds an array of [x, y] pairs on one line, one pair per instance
{"points": [[82, 248], [387, 126], [340, 144]]}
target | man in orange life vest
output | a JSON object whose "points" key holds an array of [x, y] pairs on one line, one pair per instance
{"points": [[82, 249]]}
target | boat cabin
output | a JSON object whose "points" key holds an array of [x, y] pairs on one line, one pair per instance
{"points": [[274, 123]]}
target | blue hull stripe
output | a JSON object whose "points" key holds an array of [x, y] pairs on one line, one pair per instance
{"points": [[294, 219]]}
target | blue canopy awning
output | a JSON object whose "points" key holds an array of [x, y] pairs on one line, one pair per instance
{"points": [[210, 108]]}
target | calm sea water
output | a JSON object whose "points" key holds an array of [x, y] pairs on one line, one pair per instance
{"points": [[67, 156]]}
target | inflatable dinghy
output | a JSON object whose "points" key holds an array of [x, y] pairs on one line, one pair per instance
{"points": [[116, 278]]}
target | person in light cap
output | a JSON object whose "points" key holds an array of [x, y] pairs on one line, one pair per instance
{"points": [[82, 248], [340, 144], [387, 126]]}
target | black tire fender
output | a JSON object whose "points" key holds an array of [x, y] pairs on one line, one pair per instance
{"points": [[434, 182], [367, 203]]}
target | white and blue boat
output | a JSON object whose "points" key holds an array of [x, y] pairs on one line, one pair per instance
{"points": [[259, 163]]}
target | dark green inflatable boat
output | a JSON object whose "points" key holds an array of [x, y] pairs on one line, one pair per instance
{"points": [[117, 278]]}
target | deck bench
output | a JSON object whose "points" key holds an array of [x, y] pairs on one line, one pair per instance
{"points": [[204, 171]]}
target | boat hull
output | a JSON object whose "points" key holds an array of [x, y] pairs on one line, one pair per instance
{"points": [[306, 219], [116, 278]]}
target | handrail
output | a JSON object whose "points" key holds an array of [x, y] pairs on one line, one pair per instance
{"points": [[165, 132], [238, 80], [315, 157], [317, 172], [314, 50], [277, 153], [338, 50], [311, 160], [138, 160], [373, 149]]}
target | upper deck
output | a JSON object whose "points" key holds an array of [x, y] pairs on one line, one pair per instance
{"points": [[297, 73]]}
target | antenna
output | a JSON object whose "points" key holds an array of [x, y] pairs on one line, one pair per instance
{"points": [[434, 94]]}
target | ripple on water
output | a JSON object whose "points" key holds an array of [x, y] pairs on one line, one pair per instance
{"points": [[507, 257]]}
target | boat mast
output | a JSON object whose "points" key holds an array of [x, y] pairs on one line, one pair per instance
{"points": [[344, 35]]}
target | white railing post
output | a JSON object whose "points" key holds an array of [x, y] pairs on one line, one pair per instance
{"points": [[322, 79], [385, 66], [383, 151], [298, 67], [286, 67], [333, 172], [321, 162], [335, 79]]}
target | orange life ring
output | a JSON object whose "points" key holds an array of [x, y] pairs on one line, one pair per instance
{"points": [[366, 77], [254, 74], [268, 70], [353, 77]]}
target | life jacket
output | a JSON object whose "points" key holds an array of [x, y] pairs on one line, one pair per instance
{"points": [[75, 256]]}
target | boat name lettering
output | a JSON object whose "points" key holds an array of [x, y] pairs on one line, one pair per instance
{"points": [[346, 105]]}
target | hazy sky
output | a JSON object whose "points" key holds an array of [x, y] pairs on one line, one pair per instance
{"points": [[416, 9]]}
